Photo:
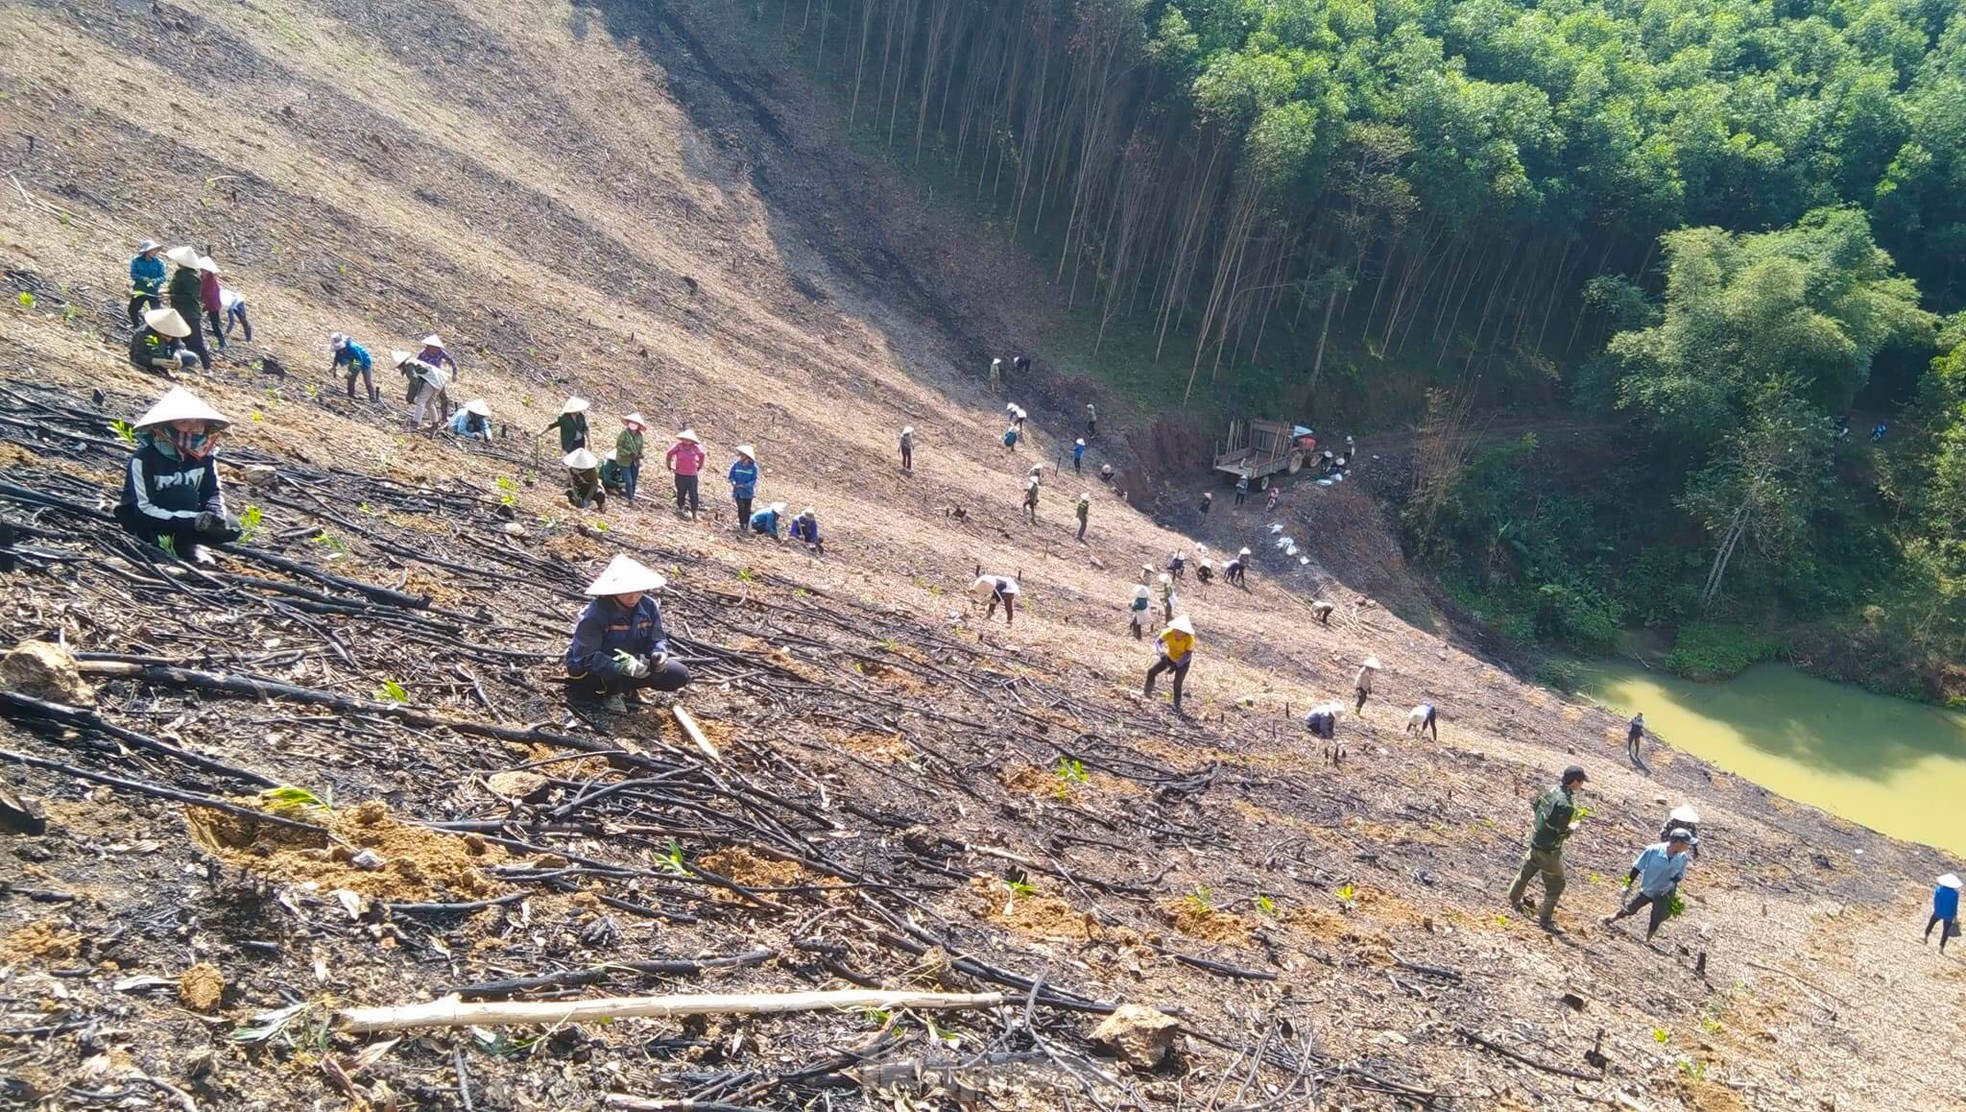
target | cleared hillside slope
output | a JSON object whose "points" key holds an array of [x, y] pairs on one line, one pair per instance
{"points": [[621, 202]]}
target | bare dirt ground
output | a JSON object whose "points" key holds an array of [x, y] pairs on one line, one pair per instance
{"points": [[625, 202]]}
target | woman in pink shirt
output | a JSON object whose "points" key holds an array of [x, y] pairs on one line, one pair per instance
{"points": [[685, 458]]}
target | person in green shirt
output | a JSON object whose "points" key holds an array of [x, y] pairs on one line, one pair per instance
{"points": [[1556, 820], [572, 423], [628, 452]]}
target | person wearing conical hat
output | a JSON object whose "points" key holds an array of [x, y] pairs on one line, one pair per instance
{"points": [[211, 298], [1945, 910], [430, 382], [907, 447], [1236, 571], [805, 529], [1078, 456], [1167, 599], [743, 478], [1106, 473], [1424, 719], [1177, 651], [343, 351], [619, 646], [431, 350], [1031, 499], [233, 306], [1362, 683], [1084, 512], [628, 446], [1010, 438], [186, 295], [1321, 610], [1137, 607], [1205, 571], [171, 493], [572, 424], [158, 344], [584, 487], [766, 521], [995, 590], [473, 420], [1091, 421], [146, 280], [685, 459]]}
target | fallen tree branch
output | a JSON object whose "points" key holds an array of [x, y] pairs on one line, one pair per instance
{"points": [[1505, 1052], [452, 1012]]}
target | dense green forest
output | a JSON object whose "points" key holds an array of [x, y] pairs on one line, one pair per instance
{"points": [[1703, 221]]}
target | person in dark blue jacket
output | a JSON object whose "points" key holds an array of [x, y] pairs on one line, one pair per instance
{"points": [[1945, 910], [146, 279], [805, 528], [619, 645], [743, 477], [347, 353], [171, 494]]}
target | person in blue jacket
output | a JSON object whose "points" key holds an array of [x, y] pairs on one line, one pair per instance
{"points": [[1945, 910], [473, 421], [171, 493], [619, 645], [345, 352], [146, 279], [743, 477], [1078, 456], [805, 528], [766, 520], [1656, 876]]}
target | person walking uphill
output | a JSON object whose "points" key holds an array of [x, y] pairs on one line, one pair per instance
{"points": [[628, 444], [171, 493], [185, 294], [1556, 820], [1085, 512], [571, 423], [146, 279], [619, 645], [685, 457], [1177, 651], [1945, 910], [743, 476], [1657, 873], [1634, 734]]}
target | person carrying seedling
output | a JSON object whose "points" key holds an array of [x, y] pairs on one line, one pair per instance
{"points": [[1177, 651], [1656, 873], [584, 487], [433, 352], [628, 444], [1078, 456], [766, 521], [1945, 910], [171, 492], [1084, 511], [993, 590], [146, 279], [685, 458], [1556, 820], [743, 478], [619, 646], [345, 352], [571, 423], [1362, 683], [805, 529], [159, 344], [473, 420]]}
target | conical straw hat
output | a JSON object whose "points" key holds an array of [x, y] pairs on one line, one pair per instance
{"points": [[580, 459], [167, 322], [1182, 623], [179, 404], [574, 405], [625, 576], [183, 256]]}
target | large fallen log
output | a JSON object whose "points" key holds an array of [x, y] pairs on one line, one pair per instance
{"points": [[453, 1012]]}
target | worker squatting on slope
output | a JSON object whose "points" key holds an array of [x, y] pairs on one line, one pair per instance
{"points": [[584, 486], [992, 590], [1177, 651], [159, 344], [805, 530], [171, 492], [571, 424], [1654, 879], [685, 459], [343, 351], [1556, 820], [767, 520], [472, 421], [628, 446], [619, 645]]}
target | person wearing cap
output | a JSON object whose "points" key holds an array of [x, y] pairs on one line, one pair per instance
{"points": [[619, 645], [1078, 456], [1945, 910], [1177, 651], [1634, 734], [473, 420], [628, 445], [571, 423], [743, 479], [159, 344], [584, 486], [1424, 719], [805, 528], [430, 382], [1166, 583], [1236, 571], [1136, 622], [685, 457], [992, 590], [1362, 683], [345, 352], [1084, 511], [1654, 879], [211, 298], [1031, 499], [1556, 820], [171, 493], [185, 294], [1091, 421], [766, 521], [432, 351], [907, 447], [146, 279]]}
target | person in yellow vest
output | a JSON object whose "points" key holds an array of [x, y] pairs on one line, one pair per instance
{"points": [[1177, 651]]}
